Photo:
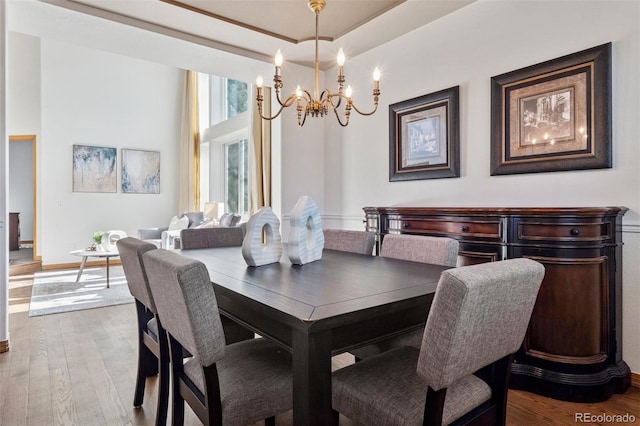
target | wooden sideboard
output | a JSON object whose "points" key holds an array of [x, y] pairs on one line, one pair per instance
{"points": [[573, 347]]}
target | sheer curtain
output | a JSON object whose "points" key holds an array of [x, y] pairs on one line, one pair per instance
{"points": [[189, 168], [260, 155]]}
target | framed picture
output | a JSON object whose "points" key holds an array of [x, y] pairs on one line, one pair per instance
{"points": [[553, 116], [140, 172], [424, 137], [94, 169]]}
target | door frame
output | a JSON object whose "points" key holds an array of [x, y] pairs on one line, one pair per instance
{"points": [[32, 140]]}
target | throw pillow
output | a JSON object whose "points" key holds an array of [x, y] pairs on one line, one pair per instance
{"points": [[195, 218], [225, 220], [235, 219], [178, 223]]}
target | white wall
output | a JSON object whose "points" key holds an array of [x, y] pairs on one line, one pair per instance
{"points": [[467, 48], [24, 74], [97, 98]]}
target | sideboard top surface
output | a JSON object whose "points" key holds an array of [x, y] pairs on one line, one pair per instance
{"points": [[492, 211]]}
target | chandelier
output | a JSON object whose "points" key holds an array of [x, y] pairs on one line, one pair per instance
{"points": [[319, 104]]}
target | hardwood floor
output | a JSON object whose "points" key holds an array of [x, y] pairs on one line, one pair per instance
{"points": [[78, 368]]}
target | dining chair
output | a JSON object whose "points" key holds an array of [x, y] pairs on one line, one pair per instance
{"points": [[351, 241], [460, 375], [415, 248], [153, 349], [211, 238], [235, 384]]}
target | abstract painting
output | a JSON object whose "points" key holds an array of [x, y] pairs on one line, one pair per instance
{"points": [[94, 169], [140, 172]]}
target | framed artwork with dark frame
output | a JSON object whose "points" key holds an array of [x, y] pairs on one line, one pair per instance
{"points": [[424, 141], [553, 116]]}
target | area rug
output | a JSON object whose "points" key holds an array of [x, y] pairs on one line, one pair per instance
{"points": [[56, 291]]}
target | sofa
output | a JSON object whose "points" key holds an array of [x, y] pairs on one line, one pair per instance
{"points": [[168, 237]]}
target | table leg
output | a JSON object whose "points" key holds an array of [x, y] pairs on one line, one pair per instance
{"points": [[311, 378], [107, 271], [82, 263]]}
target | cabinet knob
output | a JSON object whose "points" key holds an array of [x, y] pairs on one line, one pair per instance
{"points": [[406, 225], [465, 228], [575, 231]]}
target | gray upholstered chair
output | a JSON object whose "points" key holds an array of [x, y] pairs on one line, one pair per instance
{"points": [[211, 237], [152, 358], [351, 241], [478, 319], [234, 384], [416, 248], [218, 237], [420, 248]]}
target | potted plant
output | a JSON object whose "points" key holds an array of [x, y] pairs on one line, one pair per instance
{"points": [[97, 240]]}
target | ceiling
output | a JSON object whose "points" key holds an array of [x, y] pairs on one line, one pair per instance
{"points": [[258, 28]]}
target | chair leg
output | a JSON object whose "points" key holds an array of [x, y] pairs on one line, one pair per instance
{"points": [[177, 414], [163, 378], [147, 362], [434, 407], [270, 421]]}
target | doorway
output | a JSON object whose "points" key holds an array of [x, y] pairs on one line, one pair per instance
{"points": [[22, 203]]}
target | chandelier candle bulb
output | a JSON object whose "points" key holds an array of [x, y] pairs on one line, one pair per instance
{"points": [[278, 61]]}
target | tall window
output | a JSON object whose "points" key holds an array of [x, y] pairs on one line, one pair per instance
{"points": [[236, 95], [224, 161], [237, 177]]}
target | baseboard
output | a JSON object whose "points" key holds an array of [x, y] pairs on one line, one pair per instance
{"points": [[4, 346], [635, 380], [76, 265]]}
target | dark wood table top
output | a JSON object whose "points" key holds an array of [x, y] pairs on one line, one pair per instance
{"points": [[339, 283]]}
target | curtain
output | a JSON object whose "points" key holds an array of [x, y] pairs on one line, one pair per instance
{"points": [[260, 156], [189, 173]]}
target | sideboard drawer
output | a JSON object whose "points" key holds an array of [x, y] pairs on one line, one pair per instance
{"points": [[531, 230], [465, 228]]}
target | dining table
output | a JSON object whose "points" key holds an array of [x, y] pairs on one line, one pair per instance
{"points": [[320, 309]]}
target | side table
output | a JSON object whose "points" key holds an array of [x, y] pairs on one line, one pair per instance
{"points": [[91, 253]]}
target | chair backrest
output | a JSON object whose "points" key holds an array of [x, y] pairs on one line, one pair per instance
{"points": [[187, 305], [479, 315], [421, 248], [210, 237], [131, 251], [352, 241]]}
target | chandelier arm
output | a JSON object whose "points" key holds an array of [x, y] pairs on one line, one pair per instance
{"points": [[345, 124], [287, 103], [375, 108]]}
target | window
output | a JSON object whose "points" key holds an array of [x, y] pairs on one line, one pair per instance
{"points": [[236, 95], [224, 134], [236, 176]]}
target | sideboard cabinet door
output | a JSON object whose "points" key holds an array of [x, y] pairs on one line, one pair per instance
{"points": [[574, 338]]}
